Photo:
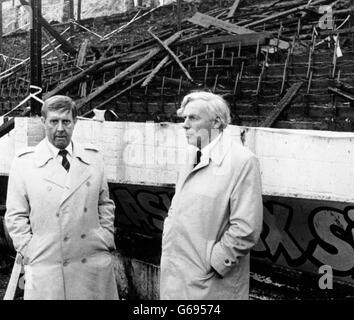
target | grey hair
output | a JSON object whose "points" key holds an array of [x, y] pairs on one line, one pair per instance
{"points": [[215, 104], [59, 102]]}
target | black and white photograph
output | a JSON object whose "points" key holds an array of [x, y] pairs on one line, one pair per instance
{"points": [[190, 151]]}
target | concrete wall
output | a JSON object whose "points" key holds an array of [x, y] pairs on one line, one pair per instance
{"points": [[294, 163]]}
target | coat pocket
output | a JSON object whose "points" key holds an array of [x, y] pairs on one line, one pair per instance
{"points": [[106, 237]]}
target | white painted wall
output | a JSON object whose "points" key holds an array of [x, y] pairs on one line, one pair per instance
{"points": [[294, 163]]}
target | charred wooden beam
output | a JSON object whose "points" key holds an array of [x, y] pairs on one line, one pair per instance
{"points": [[345, 87], [248, 39], [53, 48], [207, 21], [282, 105], [341, 93], [283, 14], [233, 9], [171, 54], [155, 71], [65, 45]]}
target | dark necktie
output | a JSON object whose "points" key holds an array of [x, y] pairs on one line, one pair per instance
{"points": [[65, 162], [199, 154]]}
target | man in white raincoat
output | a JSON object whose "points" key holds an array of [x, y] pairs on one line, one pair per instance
{"points": [[216, 213], [59, 214]]}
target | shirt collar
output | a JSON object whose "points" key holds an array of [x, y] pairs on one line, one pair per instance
{"points": [[56, 150], [206, 150]]}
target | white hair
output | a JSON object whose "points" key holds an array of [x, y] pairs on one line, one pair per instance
{"points": [[215, 105]]}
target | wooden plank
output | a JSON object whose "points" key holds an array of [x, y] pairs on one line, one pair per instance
{"points": [[51, 45], [244, 39], [206, 21], [335, 32], [155, 71], [341, 93], [283, 103], [233, 9], [345, 86], [80, 62], [65, 45], [171, 54], [283, 14], [82, 53]]}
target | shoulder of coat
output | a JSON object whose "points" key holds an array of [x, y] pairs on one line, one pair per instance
{"points": [[25, 151]]}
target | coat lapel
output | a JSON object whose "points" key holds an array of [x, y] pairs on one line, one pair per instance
{"points": [[44, 157], [216, 154], [79, 171]]}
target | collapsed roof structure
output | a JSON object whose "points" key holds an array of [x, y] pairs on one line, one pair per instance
{"points": [[286, 64]]}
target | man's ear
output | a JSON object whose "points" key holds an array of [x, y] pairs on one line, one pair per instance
{"points": [[217, 123], [43, 120]]}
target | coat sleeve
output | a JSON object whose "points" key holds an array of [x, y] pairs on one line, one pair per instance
{"points": [[17, 209], [106, 207], [245, 221]]}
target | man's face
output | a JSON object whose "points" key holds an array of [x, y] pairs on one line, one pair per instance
{"points": [[59, 127], [197, 123]]}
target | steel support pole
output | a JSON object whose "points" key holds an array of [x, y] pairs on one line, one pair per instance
{"points": [[179, 14], [36, 53]]}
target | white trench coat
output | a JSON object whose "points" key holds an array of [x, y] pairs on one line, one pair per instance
{"points": [[214, 220], [64, 233]]}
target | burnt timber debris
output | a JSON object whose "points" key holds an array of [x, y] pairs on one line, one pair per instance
{"points": [[271, 61]]}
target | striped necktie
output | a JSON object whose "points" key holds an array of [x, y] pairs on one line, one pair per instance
{"points": [[199, 154], [65, 162]]}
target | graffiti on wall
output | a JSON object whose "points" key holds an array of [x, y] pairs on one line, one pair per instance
{"points": [[306, 231], [298, 233]]}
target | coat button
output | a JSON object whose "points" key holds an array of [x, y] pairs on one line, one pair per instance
{"points": [[66, 238], [57, 214], [83, 260], [227, 262], [83, 236], [88, 183], [85, 209], [65, 262]]}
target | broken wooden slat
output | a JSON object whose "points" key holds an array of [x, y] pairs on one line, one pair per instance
{"points": [[80, 62], [207, 21], [53, 48], [233, 9], [282, 105], [345, 87], [337, 31], [282, 14], [247, 39], [65, 45], [341, 93], [172, 54], [155, 71], [82, 53]]}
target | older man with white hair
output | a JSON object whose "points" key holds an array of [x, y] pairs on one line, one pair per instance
{"points": [[216, 213]]}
